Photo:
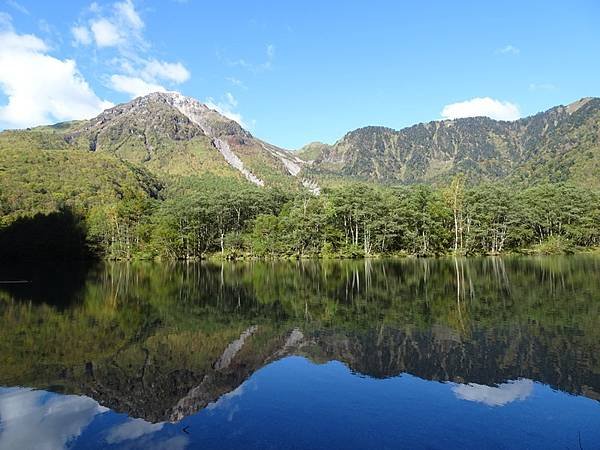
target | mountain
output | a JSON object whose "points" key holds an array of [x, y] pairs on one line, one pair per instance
{"points": [[560, 144], [313, 151], [171, 135]]}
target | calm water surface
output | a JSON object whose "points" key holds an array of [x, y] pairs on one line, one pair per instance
{"points": [[446, 353]]}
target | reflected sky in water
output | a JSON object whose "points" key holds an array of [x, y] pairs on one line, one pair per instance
{"points": [[469, 354], [295, 403], [495, 395]]}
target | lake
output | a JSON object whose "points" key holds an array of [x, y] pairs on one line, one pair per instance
{"points": [[411, 353]]}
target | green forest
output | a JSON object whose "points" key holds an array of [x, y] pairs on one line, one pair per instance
{"points": [[132, 215]]}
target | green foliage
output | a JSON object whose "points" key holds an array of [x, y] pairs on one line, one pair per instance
{"points": [[553, 245], [127, 214], [313, 151]]}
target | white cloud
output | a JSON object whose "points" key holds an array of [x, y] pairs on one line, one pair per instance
{"points": [[138, 82], [118, 30], [231, 99], [175, 72], [17, 6], [482, 106], [495, 396], [106, 33], [120, 27], [144, 434], [41, 88], [226, 108], [81, 35], [541, 87], [54, 419], [127, 11], [509, 50], [134, 86], [236, 82], [21, 42]]}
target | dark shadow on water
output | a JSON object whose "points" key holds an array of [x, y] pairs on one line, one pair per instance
{"points": [[45, 258], [59, 284]]}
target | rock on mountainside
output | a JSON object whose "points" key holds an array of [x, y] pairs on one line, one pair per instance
{"points": [[560, 144]]}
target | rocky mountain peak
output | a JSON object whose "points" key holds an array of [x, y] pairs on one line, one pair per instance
{"points": [[180, 135], [212, 123]]}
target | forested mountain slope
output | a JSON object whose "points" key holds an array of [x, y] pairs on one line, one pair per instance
{"points": [[561, 144]]}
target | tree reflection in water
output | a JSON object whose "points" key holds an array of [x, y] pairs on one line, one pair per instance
{"points": [[163, 341]]}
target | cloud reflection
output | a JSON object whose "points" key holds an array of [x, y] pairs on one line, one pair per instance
{"points": [[40, 420], [494, 395], [132, 429], [227, 402], [137, 433]]}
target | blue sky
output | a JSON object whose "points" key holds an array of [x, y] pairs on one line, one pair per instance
{"points": [[298, 71]]}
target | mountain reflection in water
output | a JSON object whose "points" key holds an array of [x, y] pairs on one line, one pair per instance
{"points": [[131, 354]]}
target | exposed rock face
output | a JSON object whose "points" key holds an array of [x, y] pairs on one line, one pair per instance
{"points": [[178, 135], [135, 131], [233, 348], [211, 122], [216, 127], [560, 144], [227, 133]]}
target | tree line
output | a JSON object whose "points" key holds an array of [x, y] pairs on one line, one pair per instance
{"points": [[199, 218]]}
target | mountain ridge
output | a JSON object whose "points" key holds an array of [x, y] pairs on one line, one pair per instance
{"points": [[173, 135], [483, 148]]}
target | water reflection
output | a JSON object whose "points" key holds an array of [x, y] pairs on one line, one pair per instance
{"points": [[495, 395], [163, 342], [132, 429], [35, 419], [295, 403]]}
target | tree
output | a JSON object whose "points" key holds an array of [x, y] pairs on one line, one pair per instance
{"points": [[455, 195]]}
